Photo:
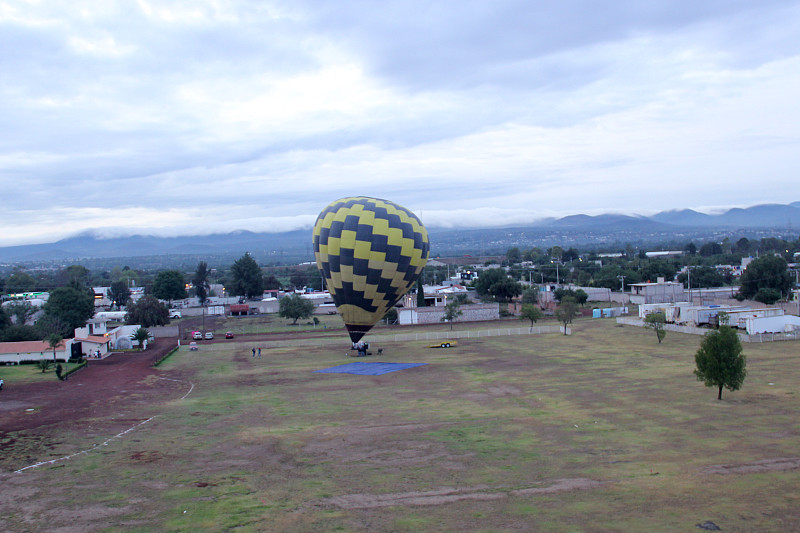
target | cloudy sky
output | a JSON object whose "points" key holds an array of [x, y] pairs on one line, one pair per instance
{"points": [[184, 117]]}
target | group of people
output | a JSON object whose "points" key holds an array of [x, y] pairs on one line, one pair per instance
{"points": [[361, 347], [259, 352]]}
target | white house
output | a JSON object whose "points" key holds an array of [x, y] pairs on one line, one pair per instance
{"points": [[661, 292], [17, 352]]}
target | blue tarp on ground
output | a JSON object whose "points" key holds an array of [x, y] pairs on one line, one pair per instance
{"points": [[369, 369]]}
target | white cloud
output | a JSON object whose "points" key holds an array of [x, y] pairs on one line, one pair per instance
{"points": [[168, 117]]}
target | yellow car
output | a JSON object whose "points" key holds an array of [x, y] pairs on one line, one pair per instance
{"points": [[444, 344]]}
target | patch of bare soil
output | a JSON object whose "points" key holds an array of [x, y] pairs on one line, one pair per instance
{"points": [[99, 399], [449, 495], [766, 465]]}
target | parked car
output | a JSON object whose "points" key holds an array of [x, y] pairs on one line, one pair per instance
{"points": [[197, 335], [174, 314], [193, 346], [228, 334], [209, 335]]}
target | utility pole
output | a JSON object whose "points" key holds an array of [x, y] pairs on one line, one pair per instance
{"points": [[621, 279], [689, 281]]}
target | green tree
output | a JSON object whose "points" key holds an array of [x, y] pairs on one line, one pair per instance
{"points": [[496, 284], [531, 312], [44, 365], [298, 279], [567, 311], [513, 256], [19, 281], [295, 307], [18, 333], [71, 306], [53, 340], [420, 293], [21, 311], [720, 362], [702, 276], [246, 277], [200, 282], [451, 312], [73, 275], [169, 285], [766, 272], [147, 312], [767, 295], [581, 297], [656, 322], [119, 294], [5, 320], [271, 282], [530, 295], [391, 316], [710, 248], [141, 335]]}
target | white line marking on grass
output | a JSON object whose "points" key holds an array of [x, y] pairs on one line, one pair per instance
{"points": [[106, 443], [191, 388], [118, 435]]}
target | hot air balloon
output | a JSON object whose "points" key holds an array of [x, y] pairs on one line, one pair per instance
{"points": [[370, 252]]}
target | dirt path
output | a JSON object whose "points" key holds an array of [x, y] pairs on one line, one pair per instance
{"points": [[99, 396]]}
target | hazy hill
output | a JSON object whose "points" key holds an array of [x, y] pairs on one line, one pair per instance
{"points": [[295, 246]]}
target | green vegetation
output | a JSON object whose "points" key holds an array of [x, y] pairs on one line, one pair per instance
{"points": [[656, 322], [451, 313], [246, 278], [147, 312], [295, 307], [169, 285], [765, 275], [602, 430], [720, 362], [567, 311]]}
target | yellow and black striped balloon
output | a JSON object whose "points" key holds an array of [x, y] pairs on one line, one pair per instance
{"points": [[370, 252]]}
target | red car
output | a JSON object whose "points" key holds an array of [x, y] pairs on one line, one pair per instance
{"points": [[229, 335]]}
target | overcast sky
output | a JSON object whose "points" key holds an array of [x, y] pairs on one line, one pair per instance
{"points": [[203, 116]]}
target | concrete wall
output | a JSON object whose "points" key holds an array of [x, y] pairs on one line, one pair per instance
{"points": [[433, 315]]}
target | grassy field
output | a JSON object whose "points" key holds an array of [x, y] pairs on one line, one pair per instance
{"points": [[29, 373], [604, 430]]}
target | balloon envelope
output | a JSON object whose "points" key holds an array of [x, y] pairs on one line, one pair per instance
{"points": [[370, 252]]}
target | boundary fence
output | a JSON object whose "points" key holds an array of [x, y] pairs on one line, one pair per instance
{"points": [[423, 336], [744, 337]]}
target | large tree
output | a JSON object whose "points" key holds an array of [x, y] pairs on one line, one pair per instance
{"points": [[169, 285], [71, 275], [19, 281], [147, 312], [295, 307], [141, 336], [70, 305], [200, 282], [531, 312], [702, 276], [496, 284], [451, 312], [246, 278], [530, 295], [766, 272], [5, 320], [567, 311], [656, 322], [119, 293], [21, 311], [720, 362]]}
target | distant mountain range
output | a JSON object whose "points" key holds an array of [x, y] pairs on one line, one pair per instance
{"points": [[292, 246]]}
